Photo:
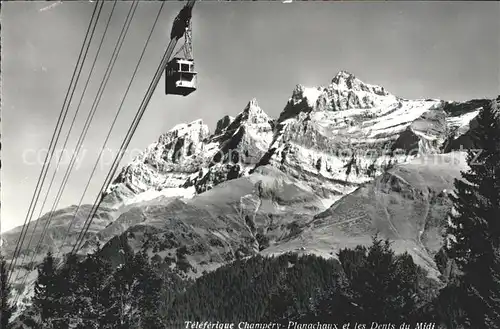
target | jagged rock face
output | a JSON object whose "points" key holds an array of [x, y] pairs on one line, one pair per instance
{"points": [[242, 143], [335, 137], [348, 92], [222, 124], [168, 162], [189, 159], [463, 124], [219, 194], [342, 135]]}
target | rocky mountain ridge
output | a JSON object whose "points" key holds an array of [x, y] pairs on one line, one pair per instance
{"points": [[196, 199], [191, 159], [349, 129]]}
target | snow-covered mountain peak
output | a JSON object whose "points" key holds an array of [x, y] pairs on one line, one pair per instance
{"points": [[183, 128], [194, 132], [348, 82], [298, 92], [165, 164], [327, 142], [309, 94], [342, 76], [253, 114], [253, 103], [345, 92], [315, 121], [235, 148]]}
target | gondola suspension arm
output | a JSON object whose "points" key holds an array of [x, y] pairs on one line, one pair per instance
{"points": [[182, 20]]}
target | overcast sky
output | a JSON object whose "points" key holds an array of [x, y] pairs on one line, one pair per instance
{"points": [[446, 50]]}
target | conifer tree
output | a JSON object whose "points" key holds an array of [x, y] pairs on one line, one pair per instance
{"points": [[46, 293], [147, 291], [6, 308], [92, 296], [68, 288], [474, 230], [135, 294], [382, 284], [119, 290], [376, 286]]}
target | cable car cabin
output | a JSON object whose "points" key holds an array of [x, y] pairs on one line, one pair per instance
{"points": [[180, 77]]}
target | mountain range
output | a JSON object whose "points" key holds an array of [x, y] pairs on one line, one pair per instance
{"points": [[341, 163]]}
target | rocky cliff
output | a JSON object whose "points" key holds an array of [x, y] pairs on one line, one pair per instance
{"points": [[338, 164]]}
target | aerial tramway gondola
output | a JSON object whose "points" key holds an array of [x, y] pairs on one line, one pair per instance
{"points": [[180, 74]]}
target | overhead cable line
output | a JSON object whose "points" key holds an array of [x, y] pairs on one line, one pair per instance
{"points": [[70, 167], [132, 129], [118, 112], [116, 162], [92, 112], [55, 136], [95, 104], [133, 7]]}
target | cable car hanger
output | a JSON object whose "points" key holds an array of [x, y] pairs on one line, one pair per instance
{"points": [[180, 74]]}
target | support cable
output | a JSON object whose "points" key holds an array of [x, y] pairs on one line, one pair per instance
{"points": [[80, 141], [55, 136]]}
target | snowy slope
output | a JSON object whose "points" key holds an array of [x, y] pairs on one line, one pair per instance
{"points": [[189, 159], [339, 136], [327, 142], [407, 204], [334, 137], [240, 146]]}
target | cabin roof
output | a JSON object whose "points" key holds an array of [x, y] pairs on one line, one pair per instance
{"points": [[182, 60]]}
